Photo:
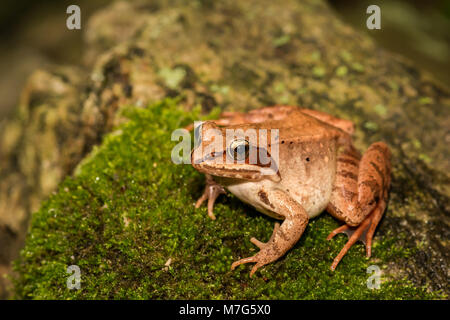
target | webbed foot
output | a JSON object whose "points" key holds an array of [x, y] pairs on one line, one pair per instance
{"points": [[364, 233]]}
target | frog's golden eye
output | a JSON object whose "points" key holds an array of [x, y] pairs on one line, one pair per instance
{"points": [[239, 149]]}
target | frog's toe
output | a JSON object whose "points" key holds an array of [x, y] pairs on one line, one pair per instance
{"points": [[210, 204], [257, 243], [212, 191], [342, 229], [201, 200], [364, 233], [354, 234], [261, 244], [249, 260], [256, 267], [243, 261]]}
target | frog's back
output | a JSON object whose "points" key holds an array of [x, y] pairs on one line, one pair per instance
{"points": [[296, 126]]}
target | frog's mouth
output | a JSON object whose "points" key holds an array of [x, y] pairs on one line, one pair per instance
{"points": [[239, 171]]}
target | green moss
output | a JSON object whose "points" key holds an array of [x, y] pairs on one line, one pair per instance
{"points": [[172, 77], [341, 71], [380, 110], [358, 67], [281, 41], [425, 100], [319, 72], [129, 210]]}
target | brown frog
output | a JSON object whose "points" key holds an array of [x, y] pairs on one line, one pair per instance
{"points": [[316, 168]]}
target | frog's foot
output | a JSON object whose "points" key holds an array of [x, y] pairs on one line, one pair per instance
{"points": [[254, 258], [261, 257], [360, 194], [212, 191], [364, 233], [260, 244]]}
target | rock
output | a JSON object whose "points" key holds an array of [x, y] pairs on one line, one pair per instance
{"points": [[239, 56]]}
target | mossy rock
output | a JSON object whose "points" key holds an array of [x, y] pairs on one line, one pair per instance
{"points": [[129, 209], [237, 55]]}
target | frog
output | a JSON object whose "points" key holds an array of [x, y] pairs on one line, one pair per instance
{"points": [[316, 169]]}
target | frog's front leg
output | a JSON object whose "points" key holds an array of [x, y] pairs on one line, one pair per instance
{"points": [[212, 191], [284, 237]]}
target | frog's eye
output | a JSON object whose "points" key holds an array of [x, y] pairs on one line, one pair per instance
{"points": [[239, 149]]}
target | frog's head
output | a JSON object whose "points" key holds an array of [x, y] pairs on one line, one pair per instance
{"points": [[233, 152]]}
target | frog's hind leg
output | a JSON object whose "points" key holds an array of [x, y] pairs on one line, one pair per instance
{"points": [[360, 195]]}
